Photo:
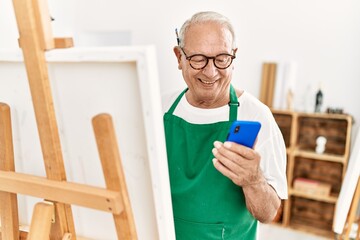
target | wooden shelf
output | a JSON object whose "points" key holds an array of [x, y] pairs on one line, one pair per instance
{"points": [[323, 157], [305, 211], [328, 199], [327, 116], [314, 115]]}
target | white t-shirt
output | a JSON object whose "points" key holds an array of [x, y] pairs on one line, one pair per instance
{"points": [[270, 143]]}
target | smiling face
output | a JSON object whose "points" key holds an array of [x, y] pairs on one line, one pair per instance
{"points": [[208, 87]]}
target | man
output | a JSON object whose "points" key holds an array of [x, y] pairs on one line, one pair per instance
{"points": [[220, 190]]}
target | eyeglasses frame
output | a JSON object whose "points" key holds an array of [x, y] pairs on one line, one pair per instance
{"points": [[207, 59]]}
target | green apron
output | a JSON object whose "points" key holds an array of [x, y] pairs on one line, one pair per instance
{"points": [[206, 204]]}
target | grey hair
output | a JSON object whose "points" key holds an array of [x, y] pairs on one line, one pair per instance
{"points": [[202, 17]]}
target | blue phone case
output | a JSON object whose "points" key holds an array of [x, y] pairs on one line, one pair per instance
{"points": [[244, 132]]}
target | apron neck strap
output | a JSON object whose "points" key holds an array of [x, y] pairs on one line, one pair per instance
{"points": [[173, 106], [233, 103]]}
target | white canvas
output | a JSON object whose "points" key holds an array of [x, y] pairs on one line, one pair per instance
{"points": [[85, 82]]}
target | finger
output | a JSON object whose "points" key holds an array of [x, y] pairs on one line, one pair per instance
{"points": [[227, 153], [245, 152], [235, 162], [223, 169], [226, 161]]}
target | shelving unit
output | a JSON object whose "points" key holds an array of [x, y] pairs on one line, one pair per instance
{"points": [[303, 210]]}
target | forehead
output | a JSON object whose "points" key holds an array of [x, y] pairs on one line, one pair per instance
{"points": [[208, 37]]}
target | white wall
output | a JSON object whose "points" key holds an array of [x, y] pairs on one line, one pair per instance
{"points": [[322, 37]]}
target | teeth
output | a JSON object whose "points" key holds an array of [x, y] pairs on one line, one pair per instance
{"points": [[206, 82]]}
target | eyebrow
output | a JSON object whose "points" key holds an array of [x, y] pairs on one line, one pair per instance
{"points": [[197, 53]]}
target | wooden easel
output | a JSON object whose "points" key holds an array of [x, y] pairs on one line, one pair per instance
{"points": [[53, 218], [352, 218]]}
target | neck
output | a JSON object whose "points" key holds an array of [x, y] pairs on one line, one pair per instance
{"points": [[208, 103]]}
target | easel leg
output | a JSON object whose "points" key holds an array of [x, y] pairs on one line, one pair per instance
{"points": [[8, 201], [9, 217], [113, 173], [352, 212], [41, 222], [35, 33], [358, 230]]}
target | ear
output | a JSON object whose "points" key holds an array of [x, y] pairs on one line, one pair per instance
{"points": [[177, 52]]}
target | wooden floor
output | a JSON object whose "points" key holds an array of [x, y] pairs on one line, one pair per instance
{"points": [[266, 232], [275, 232]]}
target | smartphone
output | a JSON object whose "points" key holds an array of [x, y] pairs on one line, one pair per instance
{"points": [[244, 132]]}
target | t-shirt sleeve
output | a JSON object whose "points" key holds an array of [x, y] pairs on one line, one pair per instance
{"points": [[273, 158]]}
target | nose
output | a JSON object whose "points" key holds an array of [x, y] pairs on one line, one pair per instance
{"points": [[210, 70]]}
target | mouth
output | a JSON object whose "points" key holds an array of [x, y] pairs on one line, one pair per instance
{"points": [[207, 82]]}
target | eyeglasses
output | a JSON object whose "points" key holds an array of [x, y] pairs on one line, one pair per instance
{"points": [[200, 61]]}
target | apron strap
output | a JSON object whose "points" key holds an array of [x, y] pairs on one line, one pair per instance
{"points": [[173, 106], [233, 104]]}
